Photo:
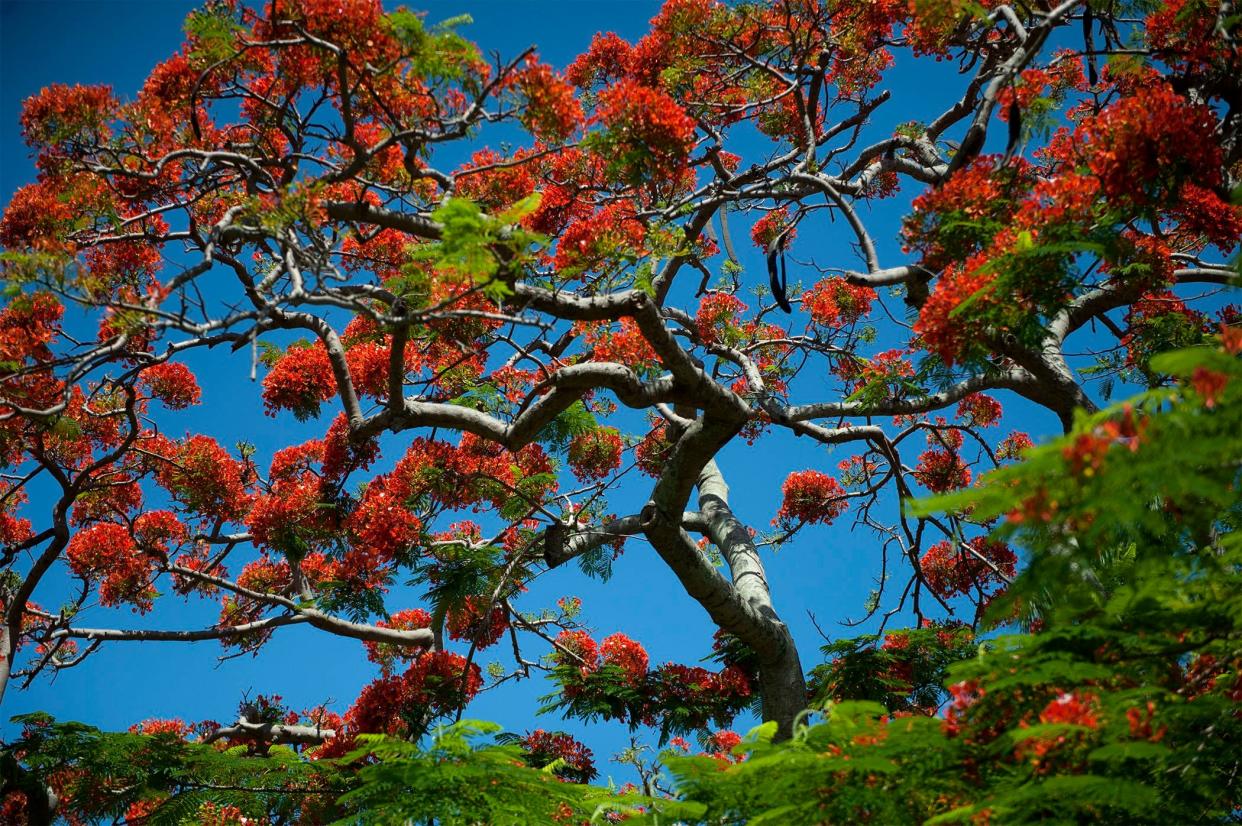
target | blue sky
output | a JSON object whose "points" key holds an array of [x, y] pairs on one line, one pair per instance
{"points": [[828, 571]]}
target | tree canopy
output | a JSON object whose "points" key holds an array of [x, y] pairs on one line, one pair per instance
{"points": [[516, 306]]}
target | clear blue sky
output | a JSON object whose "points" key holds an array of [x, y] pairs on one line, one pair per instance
{"points": [[828, 571]]}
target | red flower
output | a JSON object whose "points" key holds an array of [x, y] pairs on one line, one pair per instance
{"points": [[943, 330], [717, 314], [621, 651], [595, 454], [60, 113], [1143, 145], [583, 651], [552, 112], [300, 381], [948, 569], [1071, 708], [175, 727], [811, 497], [544, 747], [607, 58], [1011, 446], [201, 474], [648, 133], [625, 346], [106, 552], [770, 226], [721, 744], [979, 410], [154, 530], [653, 451], [385, 653], [28, 325], [608, 238], [1203, 213], [1209, 384], [834, 302], [173, 384], [472, 622], [941, 470], [436, 683]]}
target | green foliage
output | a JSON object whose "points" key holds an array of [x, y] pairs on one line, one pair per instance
{"points": [[438, 55], [104, 773], [906, 673], [1121, 709], [477, 246], [571, 422], [213, 32], [455, 780]]}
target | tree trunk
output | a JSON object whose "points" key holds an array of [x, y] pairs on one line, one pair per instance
{"points": [[782, 688]]}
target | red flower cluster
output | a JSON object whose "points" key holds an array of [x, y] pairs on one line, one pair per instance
{"points": [[625, 346], [34, 216], [173, 384], [155, 531], [595, 454], [1204, 215], [435, 684], [889, 370], [300, 381], [648, 134], [964, 695], [941, 470], [28, 325], [811, 497], [721, 745], [717, 317], [473, 621], [770, 226], [106, 552], [297, 513], [177, 728], [694, 695], [552, 112], [835, 302], [545, 747], [959, 218], [383, 527], [1140, 723], [1183, 33], [107, 502], [13, 529], [385, 654], [653, 451], [1158, 322], [60, 113], [629, 656], [607, 58], [582, 648], [1144, 145], [1209, 384], [978, 410], [608, 238], [940, 327], [1011, 446], [201, 475], [949, 570], [1086, 454], [1071, 708]]}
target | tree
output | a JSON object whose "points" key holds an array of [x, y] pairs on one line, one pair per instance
{"points": [[290, 182]]}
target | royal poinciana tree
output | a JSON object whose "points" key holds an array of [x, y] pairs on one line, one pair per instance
{"points": [[529, 332]]}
